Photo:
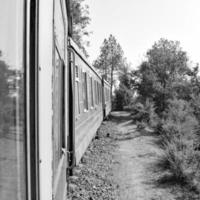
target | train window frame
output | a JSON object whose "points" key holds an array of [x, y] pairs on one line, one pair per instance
{"points": [[59, 50], [88, 91], [77, 92], [96, 93], [77, 72], [92, 92], [61, 137], [60, 45], [85, 92]]}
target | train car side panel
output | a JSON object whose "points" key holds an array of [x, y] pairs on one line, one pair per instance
{"points": [[88, 104], [107, 99], [45, 97]]}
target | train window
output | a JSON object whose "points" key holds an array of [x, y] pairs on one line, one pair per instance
{"points": [[80, 90], [92, 95], [58, 108], [97, 93], [77, 98], [85, 91], [76, 71], [94, 91], [59, 28], [89, 92], [100, 93], [12, 90], [77, 92]]}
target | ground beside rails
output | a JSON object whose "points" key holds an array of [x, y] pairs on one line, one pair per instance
{"points": [[121, 164], [93, 176]]}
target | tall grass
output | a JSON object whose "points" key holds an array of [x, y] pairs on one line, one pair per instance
{"points": [[177, 136], [144, 114]]}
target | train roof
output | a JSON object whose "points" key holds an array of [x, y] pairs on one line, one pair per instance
{"points": [[106, 82], [82, 56]]}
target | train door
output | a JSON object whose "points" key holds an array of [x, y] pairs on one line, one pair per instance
{"points": [[18, 100], [13, 165], [60, 132]]}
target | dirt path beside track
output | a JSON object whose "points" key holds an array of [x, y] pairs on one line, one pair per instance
{"points": [[120, 164], [134, 162]]}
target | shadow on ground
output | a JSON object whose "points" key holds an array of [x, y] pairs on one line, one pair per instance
{"points": [[125, 119], [157, 177], [120, 116], [165, 180]]}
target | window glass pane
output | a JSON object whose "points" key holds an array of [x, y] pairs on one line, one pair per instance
{"points": [[58, 134], [59, 28], [91, 91], [96, 92], [77, 99], [86, 91], [76, 71], [12, 133]]}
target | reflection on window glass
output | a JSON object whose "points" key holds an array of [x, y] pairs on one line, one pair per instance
{"points": [[12, 139], [91, 92], [59, 28], [58, 137], [85, 92]]}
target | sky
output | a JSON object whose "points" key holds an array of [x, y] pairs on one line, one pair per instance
{"points": [[137, 24]]}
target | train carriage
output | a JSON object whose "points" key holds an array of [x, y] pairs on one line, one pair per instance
{"points": [[52, 100], [88, 111], [106, 98]]}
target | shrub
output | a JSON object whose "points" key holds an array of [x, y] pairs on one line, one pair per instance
{"points": [[177, 134], [179, 120], [144, 113], [175, 160], [195, 104], [122, 98]]}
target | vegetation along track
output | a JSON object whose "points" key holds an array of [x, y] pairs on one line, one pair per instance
{"points": [[121, 164]]}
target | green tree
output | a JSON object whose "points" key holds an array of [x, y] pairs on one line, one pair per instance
{"points": [[164, 74], [80, 21], [7, 114], [110, 58], [124, 93]]}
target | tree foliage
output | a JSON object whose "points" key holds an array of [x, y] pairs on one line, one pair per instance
{"points": [[80, 21], [110, 58], [123, 94], [166, 79], [11, 89], [164, 74]]}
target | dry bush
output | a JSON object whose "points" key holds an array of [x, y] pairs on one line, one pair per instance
{"points": [[177, 133], [144, 114]]}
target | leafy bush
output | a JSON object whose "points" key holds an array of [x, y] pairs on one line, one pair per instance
{"points": [[195, 104], [144, 113], [122, 98], [177, 133], [179, 158]]}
